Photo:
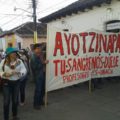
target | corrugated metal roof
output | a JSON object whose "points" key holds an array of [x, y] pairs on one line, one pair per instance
{"points": [[27, 29], [75, 7]]}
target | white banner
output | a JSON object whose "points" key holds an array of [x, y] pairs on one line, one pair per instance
{"points": [[78, 57]]}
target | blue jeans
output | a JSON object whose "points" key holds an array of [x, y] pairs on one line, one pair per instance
{"points": [[22, 89], [10, 94], [39, 89]]}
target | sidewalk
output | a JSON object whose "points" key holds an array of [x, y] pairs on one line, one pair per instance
{"points": [[74, 103]]}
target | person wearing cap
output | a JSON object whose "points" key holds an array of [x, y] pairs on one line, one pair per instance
{"points": [[37, 65], [12, 70]]}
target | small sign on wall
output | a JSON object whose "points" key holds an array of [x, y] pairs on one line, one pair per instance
{"points": [[113, 26]]}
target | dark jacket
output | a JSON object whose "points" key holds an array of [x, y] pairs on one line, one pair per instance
{"points": [[36, 65]]}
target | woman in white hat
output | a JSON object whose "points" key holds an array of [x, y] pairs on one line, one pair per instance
{"points": [[12, 70]]}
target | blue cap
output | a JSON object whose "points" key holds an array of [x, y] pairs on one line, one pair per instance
{"points": [[10, 50]]}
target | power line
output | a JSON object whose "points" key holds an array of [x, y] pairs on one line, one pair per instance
{"points": [[3, 17], [18, 23], [8, 21], [11, 20], [22, 24], [19, 3], [4, 14]]}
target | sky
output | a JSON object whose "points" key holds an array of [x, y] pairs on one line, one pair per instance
{"points": [[11, 18]]}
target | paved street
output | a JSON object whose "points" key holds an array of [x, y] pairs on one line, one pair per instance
{"points": [[75, 103]]}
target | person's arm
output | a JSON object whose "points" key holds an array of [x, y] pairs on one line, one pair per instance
{"points": [[44, 62], [4, 73]]}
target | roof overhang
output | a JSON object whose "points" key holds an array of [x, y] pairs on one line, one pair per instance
{"points": [[78, 6]]}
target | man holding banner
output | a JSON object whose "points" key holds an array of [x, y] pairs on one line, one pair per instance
{"points": [[37, 65]]}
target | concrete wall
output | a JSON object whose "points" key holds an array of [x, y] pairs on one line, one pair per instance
{"points": [[91, 19], [29, 40]]}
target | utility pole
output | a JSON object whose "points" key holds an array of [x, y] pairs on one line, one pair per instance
{"points": [[34, 3]]}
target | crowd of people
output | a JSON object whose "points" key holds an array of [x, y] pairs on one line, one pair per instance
{"points": [[15, 68]]}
